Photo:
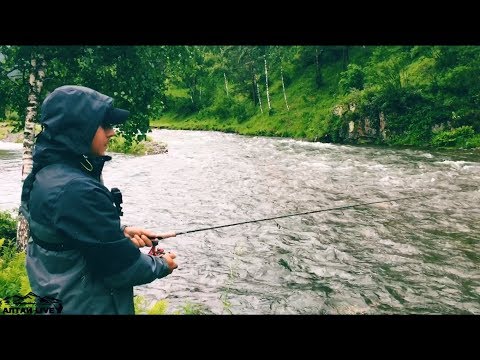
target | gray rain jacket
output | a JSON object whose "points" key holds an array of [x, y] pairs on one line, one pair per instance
{"points": [[86, 263]]}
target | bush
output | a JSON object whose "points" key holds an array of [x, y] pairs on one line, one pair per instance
{"points": [[352, 78], [141, 306], [118, 144], [462, 136], [8, 229], [473, 142], [13, 274], [12, 116]]}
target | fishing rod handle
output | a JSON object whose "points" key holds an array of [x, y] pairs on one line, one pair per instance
{"points": [[163, 236]]}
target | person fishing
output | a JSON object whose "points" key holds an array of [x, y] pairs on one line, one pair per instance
{"points": [[78, 252]]}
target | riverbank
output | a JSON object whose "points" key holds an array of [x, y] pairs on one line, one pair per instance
{"points": [[148, 147], [7, 135], [170, 122]]}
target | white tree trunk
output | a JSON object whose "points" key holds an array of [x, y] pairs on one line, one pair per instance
{"points": [[226, 83], [266, 83], [258, 95], [283, 86], [37, 75]]}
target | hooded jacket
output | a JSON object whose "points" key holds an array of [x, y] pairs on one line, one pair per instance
{"points": [[67, 205]]}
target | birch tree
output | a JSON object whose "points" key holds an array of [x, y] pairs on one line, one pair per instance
{"points": [[226, 83], [283, 87], [282, 59], [133, 76], [258, 93], [35, 82], [266, 83]]}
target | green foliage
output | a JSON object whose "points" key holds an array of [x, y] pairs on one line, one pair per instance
{"points": [[8, 229], [180, 105], [141, 306], [118, 144], [191, 309], [12, 116], [336, 129], [133, 75], [474, 142], [352, 78], [13, 275], [460, 137], [225, 108], [160, 307], [413, 89]]}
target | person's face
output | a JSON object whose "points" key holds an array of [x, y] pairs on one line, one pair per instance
{"points": [[100, 140]]}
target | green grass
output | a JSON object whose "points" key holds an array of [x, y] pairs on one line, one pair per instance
{"points": [[160, 307], [310, 108]]}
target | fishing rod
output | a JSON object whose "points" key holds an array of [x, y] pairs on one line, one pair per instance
{"points": [[173, 233]]}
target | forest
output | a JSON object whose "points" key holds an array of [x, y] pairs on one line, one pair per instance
{"points": [[421, 96]]}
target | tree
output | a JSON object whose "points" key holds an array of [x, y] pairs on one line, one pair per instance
{"points": [[133, 75]]}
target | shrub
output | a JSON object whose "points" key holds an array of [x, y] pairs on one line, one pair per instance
{"points": [[13, 274], [118, 144], [352, 78], [8, 229], [461, 136]]}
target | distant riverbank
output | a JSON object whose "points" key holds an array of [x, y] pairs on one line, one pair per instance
{"points": [[7, 135], [148, 147]]}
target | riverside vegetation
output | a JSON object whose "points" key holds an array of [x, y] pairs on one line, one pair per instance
{"points": [[420, 96]]}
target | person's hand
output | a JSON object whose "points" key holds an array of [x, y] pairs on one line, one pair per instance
{"points": [[142, 237], [169, 256]]}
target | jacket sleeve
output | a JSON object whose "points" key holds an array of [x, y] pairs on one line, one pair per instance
{"points": [[86, 216], [143, 271]]}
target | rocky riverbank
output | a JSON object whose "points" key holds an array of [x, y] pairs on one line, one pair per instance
{"points": [[154, 147]]}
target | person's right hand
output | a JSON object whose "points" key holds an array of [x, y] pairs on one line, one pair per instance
{"points": [[169, 258]]}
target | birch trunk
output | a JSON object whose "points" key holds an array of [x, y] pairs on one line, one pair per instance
{"points": [[283, 87], [37, 75], [258, 95], [254, 90], [266, 83], [226, 83]]}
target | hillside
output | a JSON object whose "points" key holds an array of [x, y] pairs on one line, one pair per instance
{"points": [[391, 95]]}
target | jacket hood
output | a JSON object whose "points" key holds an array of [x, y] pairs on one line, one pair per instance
{"points": [[70, 117]]}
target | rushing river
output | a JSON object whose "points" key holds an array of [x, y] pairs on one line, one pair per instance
{"points": [[415, 256]]}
